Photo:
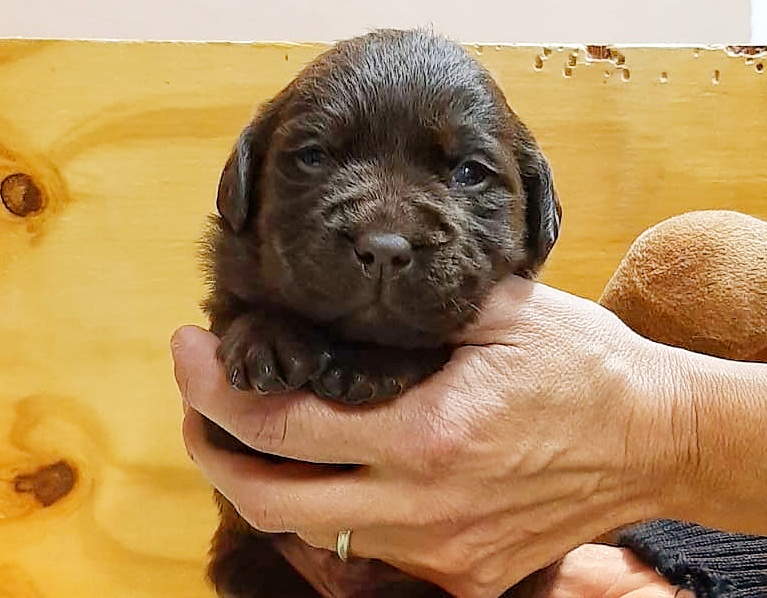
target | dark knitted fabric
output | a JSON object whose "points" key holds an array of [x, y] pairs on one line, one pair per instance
{"points": [[711, 563]]}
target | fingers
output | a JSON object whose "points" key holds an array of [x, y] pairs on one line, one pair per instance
{"points": [[292, 496], [296, 425], [611, 572], [299, 425]]}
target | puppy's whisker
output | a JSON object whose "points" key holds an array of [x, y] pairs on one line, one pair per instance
{"points": [[474, 307]]}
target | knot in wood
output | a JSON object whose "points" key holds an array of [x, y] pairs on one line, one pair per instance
{"points": [[20, 195], [48, 484]]}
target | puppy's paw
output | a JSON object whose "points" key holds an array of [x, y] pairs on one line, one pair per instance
{"points": [[272, 352], [346, 384], [368, 374]]}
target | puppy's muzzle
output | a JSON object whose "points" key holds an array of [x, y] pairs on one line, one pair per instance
{"points": [[383, 256]]}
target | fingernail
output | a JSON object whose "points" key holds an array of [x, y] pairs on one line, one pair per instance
{"points": [[182, 381], [176, 342], [188, 450]]}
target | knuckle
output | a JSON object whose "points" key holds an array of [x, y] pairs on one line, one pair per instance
{"points": [[450, 560], [468, 567], [315, 540], [488, 581], [254, 509], [263, 518], [267, 428]]}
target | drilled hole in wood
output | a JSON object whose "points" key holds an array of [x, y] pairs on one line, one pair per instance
{"points": [[664, 77], [48, 484], [716, 77], [567, 72], [599, 52], [20, 195], [604, 54], [625, 75], [572, 60], [746, 50], [759, 68], [538, 64]]}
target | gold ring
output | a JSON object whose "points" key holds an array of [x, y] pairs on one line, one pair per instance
{"points": [[342, 544]]}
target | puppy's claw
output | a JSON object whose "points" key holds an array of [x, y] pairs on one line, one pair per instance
{"points": [[266, 384], [361, 390], [330, 384], [324, 361], [263, 374], [302, 354], [356, 388], [299, 370], [235, 379], [391, 387]]}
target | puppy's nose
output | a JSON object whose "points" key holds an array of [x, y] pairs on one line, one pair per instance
{"points": [[389, 252]]}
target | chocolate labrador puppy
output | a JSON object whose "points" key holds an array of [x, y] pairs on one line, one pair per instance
{"points": [[365, 213]]}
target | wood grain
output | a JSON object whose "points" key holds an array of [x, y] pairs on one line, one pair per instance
{"points": [[124, 142]]}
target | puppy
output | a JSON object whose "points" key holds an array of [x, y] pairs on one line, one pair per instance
{"points": [[364, 215]]}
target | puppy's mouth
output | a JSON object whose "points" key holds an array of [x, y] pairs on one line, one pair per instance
{"points": [[375, 311], [383, 321], [388, 304]]}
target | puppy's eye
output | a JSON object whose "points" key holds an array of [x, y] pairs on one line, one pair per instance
{"points": [[311, 157], [470, 174]]}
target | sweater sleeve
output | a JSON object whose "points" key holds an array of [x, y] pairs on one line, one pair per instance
{"points": [[711, 563]]}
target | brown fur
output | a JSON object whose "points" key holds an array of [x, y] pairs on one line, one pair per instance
{"points": [[364, 215]]}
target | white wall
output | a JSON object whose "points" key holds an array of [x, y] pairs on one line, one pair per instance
{"points": [[759, 22], [541, 21]]}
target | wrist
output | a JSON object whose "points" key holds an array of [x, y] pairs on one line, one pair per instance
{"points": [[670, 434], [719, 471], [636, 430], [659, 427]]}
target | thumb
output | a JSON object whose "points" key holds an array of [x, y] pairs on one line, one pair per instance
{"points": [[192, 349]]}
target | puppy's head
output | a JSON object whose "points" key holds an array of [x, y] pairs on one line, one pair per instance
{"points": [[384, 191]]}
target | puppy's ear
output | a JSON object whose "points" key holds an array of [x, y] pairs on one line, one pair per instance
{"points": [[544, 212], [235, 188], [238, 187]]}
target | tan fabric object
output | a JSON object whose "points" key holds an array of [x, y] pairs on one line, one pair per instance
{"points": [[697, 281]]}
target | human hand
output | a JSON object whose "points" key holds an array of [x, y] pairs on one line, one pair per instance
{"points": [[602, 571], [531, 441]]}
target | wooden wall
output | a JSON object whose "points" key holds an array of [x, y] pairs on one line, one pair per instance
{"points": [[110, 154]]}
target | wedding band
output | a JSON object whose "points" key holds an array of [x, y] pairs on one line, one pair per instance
{"points": [[342, 544]]}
